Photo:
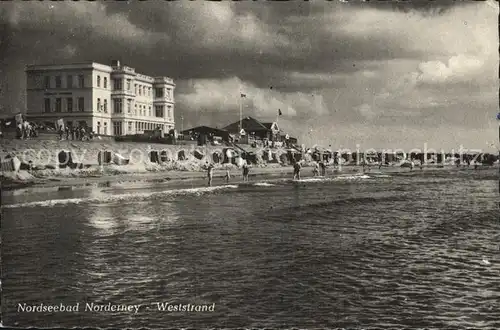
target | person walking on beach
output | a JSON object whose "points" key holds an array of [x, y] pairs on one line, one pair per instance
{"points": [[296, 170], [210, 173], [246, 170], [228, 175]]}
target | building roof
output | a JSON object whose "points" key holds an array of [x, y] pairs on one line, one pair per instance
{"points": [[268, 125], [249, 124], [99, 66], [206, 130]]}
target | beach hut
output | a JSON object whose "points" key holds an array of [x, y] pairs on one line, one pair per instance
{"points": [[64, 159], [239, 161], [217, 157], [229, 155], [164, 156], [104, 157], [198, 155], [119, 159], [10, 164], [154, 156]]}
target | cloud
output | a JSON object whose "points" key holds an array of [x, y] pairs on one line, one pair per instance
{"points": [[73, 18], [459, 68], [224, 96]]}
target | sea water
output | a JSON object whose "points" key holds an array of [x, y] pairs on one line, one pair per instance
{"points": [[419, 250]]}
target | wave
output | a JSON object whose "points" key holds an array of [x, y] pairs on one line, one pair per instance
{"points": [[103, 198], [329, 179], [263, 184]]}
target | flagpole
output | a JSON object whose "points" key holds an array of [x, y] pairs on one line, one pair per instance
{"points": [[241, 105]]}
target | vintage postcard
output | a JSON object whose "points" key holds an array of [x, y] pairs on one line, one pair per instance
{"points": [[250, 164]]}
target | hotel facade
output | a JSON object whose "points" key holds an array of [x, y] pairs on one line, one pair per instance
{"points": [[110, 100]]}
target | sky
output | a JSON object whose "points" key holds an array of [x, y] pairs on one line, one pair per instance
{"points": [[347, 75]]}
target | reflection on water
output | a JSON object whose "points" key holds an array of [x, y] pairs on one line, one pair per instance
{"points": [[101, 219], [415, 251]]}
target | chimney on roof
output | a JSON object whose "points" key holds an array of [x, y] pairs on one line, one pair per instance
{"points": [[115, 63]]}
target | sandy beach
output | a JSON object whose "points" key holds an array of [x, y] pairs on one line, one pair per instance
{"points": [[49, 176]]}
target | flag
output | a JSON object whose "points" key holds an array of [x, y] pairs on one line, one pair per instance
{"points": [[279, 112], [243, 95]]}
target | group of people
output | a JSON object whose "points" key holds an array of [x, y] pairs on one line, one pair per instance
{"points": [[210, 173], [75, 133], [26, 130], [319, 169]]}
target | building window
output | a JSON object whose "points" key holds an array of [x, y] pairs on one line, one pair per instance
{"points": [[135, 88], [129, 106], [105, 106], [58, 104], [128, 84], [98, 81], [169, 112], [118, 84], [105, 128], [99, 104], [58, 82], [69, 81], [47, 82], [140, 90], [98, 127], [69, 104], [117, 106], [117, 128], [129, 126], [149, 111], [158, 92], [149, 91], [81, 104], [159, 111], [81, 81], [105, 82], [47, 105]]}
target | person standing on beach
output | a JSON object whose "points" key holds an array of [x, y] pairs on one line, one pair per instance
{"points": [[296, 170], [316, 169], [210, 174], [322, 167], [246, 170], [61, 132]]}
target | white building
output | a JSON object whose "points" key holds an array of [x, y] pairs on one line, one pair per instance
{"points": [[112, 100]]}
